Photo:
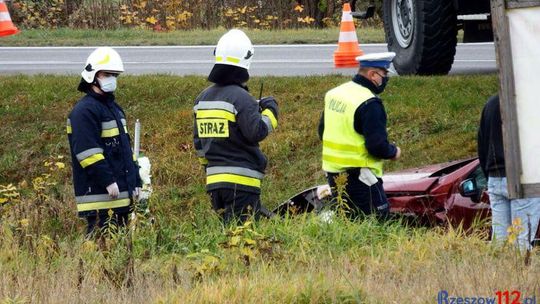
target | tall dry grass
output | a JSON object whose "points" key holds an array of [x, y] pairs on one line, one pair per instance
{"points": [[185, 255]]}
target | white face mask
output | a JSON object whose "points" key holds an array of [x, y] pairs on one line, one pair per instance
{"points": [[107, 84]]}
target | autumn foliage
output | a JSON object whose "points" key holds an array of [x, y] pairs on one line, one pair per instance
{"points": [[167, 15]]}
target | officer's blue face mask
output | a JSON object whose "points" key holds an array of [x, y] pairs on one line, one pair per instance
{"points": [[107, 84]]}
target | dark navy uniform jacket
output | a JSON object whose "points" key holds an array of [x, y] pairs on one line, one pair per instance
{"points": [[228, 126], [101, 155]]}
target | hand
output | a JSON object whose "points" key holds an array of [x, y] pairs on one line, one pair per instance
{"points": [[137, 192], [268, 102], [398, 153], [113, 190]]}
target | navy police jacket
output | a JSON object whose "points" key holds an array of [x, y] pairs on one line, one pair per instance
{"points": [[101, 155]]}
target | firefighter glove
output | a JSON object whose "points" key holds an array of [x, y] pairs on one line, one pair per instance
{"points": [[269, 103], [113, 190]]}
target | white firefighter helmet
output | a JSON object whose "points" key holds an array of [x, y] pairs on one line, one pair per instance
{"points": [[102, 59], [234, 48]]}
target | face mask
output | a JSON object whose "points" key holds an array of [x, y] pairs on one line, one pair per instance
{"points": [[107, 84], [380, 88]]}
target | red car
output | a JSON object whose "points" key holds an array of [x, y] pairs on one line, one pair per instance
{"points": [[452, 192]]}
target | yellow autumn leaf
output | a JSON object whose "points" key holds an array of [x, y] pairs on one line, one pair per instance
{"points": [[11, 194], [3, 200], [181, 17], [152, 20], [60, 165], [250, 241], [234, 241], [299, 8], [89, 246], [25, 222], [247, 252], [23, 184], [210, 260]]}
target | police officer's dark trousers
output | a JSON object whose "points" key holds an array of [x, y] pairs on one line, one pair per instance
{"points": [[361, 198]]}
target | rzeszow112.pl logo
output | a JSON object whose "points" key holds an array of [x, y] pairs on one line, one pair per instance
{"points": [[501, 297]]}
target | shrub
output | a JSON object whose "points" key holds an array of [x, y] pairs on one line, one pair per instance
{"points": [[167, 15]]}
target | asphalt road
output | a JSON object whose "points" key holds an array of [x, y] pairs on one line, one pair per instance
{"points": [[275, 60]]}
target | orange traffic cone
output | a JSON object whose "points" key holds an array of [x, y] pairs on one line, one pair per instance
{"points": [[6, 26], [348, 49]]}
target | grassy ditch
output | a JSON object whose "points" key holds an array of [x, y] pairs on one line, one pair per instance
{"points": [[128, 37], [185, 255]]}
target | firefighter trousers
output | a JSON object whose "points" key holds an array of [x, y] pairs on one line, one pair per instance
{"points": [[232, 204]]}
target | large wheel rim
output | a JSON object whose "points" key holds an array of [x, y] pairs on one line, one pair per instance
{"points": [[403, 21]]}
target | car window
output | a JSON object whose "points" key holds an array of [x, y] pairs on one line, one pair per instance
{"points": [[480, 179]]}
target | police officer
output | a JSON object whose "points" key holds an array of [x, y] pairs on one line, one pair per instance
{"points": [[355, 142], [228, 126], [105, 176]]}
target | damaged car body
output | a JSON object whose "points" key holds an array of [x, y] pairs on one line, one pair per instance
{"points": [[449, 193]]}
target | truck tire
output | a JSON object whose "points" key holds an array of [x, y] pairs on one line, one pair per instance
{"points": [[422, 33]]}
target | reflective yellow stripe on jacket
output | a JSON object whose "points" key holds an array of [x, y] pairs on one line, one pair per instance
{"points": [[90, 156], [269, 119], [68, 126], [233, 175], [110, 128], [343, 147], [101, 202]]}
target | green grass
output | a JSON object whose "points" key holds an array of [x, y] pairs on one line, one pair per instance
{"points": [[433, 119], [187, 256], [121, 37]]}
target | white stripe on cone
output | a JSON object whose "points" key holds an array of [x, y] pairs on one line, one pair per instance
{"points": [[346, 16], [4, 17], [348, 37]]}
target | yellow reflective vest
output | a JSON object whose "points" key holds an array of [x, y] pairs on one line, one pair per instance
{"points": [[343, 147]]}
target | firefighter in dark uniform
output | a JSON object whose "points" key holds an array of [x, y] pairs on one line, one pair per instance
{"points": [[105, 176], [228, 126], [355, 142]]}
